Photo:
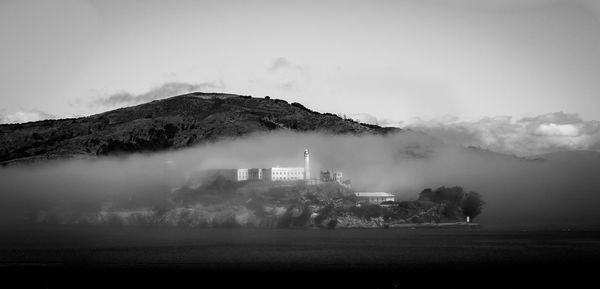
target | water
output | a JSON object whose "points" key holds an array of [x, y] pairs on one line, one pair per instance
{"points": [[347, 256]]}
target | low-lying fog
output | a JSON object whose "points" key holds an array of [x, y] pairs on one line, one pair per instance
{"points": [[563, 189]]}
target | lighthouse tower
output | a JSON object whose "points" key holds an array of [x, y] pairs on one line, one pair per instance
{"points": [[306, 165]]}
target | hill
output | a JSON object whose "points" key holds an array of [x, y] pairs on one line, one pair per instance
{"points": [[171, 123]]}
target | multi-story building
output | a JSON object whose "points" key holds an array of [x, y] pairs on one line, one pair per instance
{"points": [[283, 174], [276, 173]]}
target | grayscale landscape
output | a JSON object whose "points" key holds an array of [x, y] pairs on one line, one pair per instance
{"points": [[278, 144]]}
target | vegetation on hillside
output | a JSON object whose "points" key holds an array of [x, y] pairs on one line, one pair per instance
{"points": [[171, 123]]}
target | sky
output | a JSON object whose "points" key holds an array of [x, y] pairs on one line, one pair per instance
{"points": [[394, 60]]}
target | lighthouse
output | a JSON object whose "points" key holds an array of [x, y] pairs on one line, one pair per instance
{"points": [[306, 165]]}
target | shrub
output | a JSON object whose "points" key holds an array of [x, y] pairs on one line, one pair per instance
{"points": [[367, 211], [331, 224], [408, 205], [323, 213]]}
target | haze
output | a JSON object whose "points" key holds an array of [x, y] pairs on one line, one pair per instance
{"points": [[555, 191]]}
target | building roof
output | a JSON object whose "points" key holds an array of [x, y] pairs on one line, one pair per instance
{"points": [[373, 194], [286, 168]]}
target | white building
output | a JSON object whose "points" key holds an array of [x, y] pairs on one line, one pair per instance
{"points": [[255, 174], [283, 174], [373, 197], [268, 174]]}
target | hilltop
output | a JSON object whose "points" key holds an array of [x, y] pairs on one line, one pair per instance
{"points": [[171, 123]]}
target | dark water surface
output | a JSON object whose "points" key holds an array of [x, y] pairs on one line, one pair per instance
{"points": [[489, 257]]}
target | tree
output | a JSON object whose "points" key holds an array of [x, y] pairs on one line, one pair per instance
{"points": [[426, 195], [453, 195], [472, 205]]}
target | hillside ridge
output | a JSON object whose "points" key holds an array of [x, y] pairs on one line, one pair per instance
{"points": [[170, 123]]}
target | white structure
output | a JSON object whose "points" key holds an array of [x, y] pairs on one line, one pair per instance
{"points": [[283, 174], [374, 197], [255, 174], [306, 165], [271, 174]]}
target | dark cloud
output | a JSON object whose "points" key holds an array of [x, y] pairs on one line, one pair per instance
{"points": [[166, 90]]}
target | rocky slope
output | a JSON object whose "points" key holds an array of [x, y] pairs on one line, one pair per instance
{"points": [[171, 123]]}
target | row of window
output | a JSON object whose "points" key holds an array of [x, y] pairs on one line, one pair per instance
{"points": [[379, 199], [286, 178], [287, 173]]}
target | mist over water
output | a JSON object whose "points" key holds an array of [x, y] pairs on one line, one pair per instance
{"points": [[559, 190]]}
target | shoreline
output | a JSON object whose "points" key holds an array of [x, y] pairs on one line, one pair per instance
{"points": [[434, 225], [448, 225]]}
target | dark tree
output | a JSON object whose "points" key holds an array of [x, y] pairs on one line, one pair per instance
{"points": [[452, 195], [472, 205], [426, 195]]}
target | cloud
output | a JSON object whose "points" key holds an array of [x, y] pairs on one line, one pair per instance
{"points": [[553, 129], [166, 90], [25, 116], [280, 64], [546, 133], [288, 76]]}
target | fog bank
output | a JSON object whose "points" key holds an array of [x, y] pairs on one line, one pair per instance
{"points": [[558, 190]]}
